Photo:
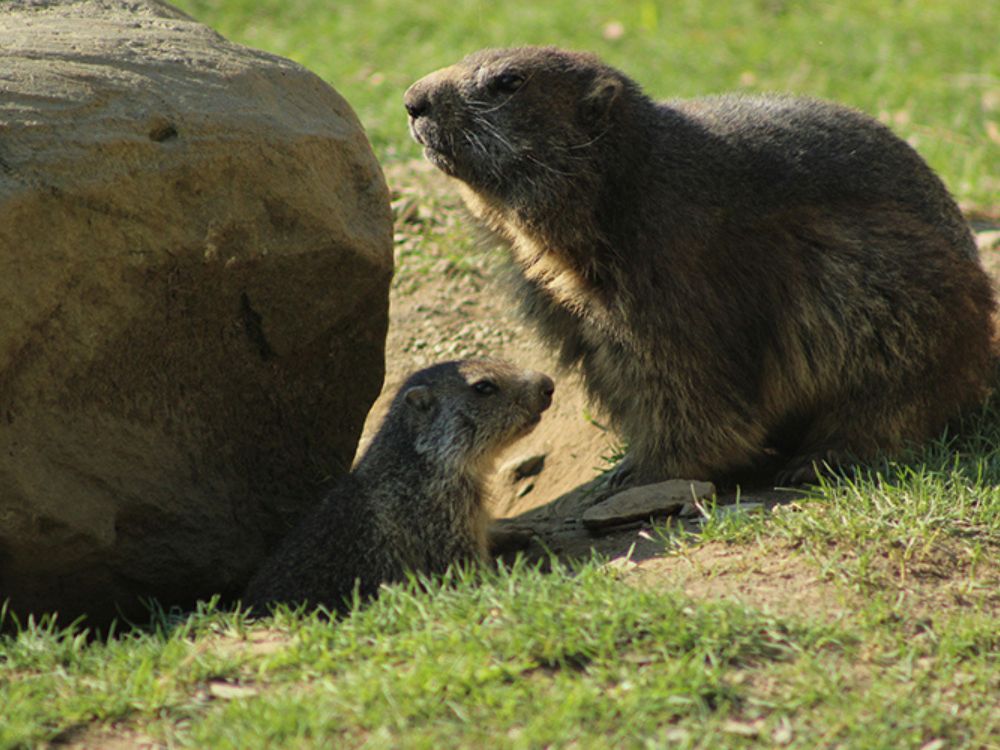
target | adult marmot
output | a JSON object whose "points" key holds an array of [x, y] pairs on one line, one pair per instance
{"points": [[745, 282], [415, 500]]}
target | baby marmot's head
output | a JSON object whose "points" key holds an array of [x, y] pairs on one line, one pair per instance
{"points": [[462, 413]]}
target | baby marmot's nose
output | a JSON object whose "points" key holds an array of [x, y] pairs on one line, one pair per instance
{"points": [[416, 101]]}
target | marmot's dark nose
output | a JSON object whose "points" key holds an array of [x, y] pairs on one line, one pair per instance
{"points": [[417, 103]]}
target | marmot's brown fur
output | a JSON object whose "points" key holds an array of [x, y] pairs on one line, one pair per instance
{"points": [[745, 282], [415, 500]]}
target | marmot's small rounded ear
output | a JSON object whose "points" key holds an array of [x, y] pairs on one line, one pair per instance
{"points": [[419, 397], [602, 95]]}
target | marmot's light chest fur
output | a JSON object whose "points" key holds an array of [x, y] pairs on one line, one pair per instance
{"points": [[415, 500], [747, 283]]}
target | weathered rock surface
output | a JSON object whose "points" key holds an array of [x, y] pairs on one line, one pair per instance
{"points": [[195, 250], [647, 501]]}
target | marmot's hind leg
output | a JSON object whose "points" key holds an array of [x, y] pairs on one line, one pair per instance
{"points": [[840, 441], [809, 466]]}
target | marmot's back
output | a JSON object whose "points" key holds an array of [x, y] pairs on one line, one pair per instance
{"points": [[773, 152]]}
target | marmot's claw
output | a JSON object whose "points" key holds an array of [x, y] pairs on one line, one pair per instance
{"points": [[623, 475]]}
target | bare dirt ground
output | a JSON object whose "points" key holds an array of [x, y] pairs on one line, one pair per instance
{"points": [[449, 303], [445, 306]]}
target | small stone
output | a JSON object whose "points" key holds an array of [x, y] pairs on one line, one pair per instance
{"points": [[689, 510], [524, 466], [620, 565], [644, 502], [783, 734], [738, 509], [613, 31], [743, 728], [228, 691], [692, 509], [989, 240]]}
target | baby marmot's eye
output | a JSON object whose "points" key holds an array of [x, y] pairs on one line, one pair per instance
{"points": [[485, 387], [508, 83]]}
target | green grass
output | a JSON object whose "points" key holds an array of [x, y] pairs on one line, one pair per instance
{"points": [[516, 658], [580, 658], [935, 513], [930, 68]]}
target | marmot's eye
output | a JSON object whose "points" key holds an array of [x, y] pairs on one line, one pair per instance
{"points": [[508, 83], [485, 387]]}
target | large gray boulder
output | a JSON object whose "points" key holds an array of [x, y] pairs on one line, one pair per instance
{"points": [[195, 252]]}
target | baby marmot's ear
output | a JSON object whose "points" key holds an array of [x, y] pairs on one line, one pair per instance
{"points": [[419, 397], [597, 103]]}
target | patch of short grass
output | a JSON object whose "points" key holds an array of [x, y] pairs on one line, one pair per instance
{"points": [[432, 233], [884, 523], [514, 658], [915, 543], [936, 513], [518, 658], [519, 654]]}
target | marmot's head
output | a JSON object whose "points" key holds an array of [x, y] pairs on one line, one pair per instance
{"points": [[462, 413], [504, 120]]}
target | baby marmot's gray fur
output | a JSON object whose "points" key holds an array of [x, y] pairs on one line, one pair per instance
{"points": [[747, 283], [415, 500]]}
